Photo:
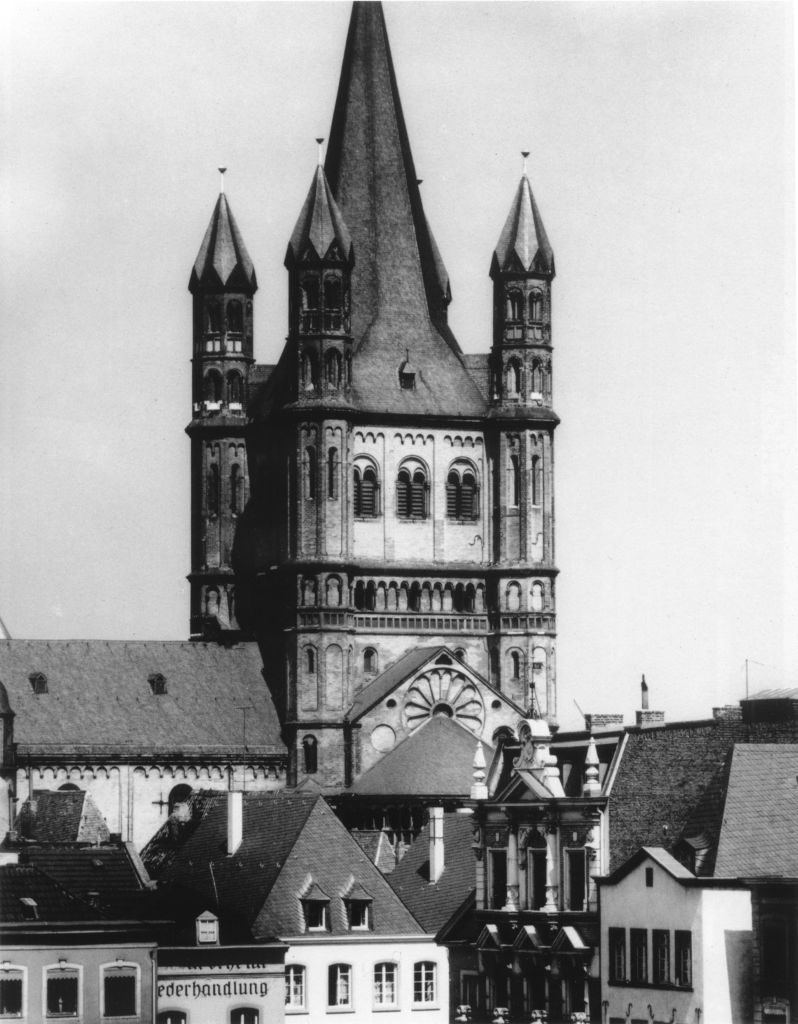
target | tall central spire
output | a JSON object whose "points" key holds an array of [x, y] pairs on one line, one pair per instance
{"points": [[400, 289]]}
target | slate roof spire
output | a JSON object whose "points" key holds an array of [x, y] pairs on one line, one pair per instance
{"points": [[523, 245], [223, 261], [400, 288], [320, 225]]}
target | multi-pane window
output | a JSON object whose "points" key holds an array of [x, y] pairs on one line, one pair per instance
{"points": [[638, 949], [62, 992], [617, 944], [424, 982], [366, 492], [661, 952], [683, 958], [577, 870], [295, 987], [359, 913], [385, 984], [119, 991], [317, 915], [339, 985], [11, 993]]}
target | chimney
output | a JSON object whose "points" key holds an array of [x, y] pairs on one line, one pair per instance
{"points": [[644, 694], [235, 820], [644, 718], [436, 852]]}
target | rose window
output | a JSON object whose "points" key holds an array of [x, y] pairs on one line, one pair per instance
{"points": [[445, 693]]}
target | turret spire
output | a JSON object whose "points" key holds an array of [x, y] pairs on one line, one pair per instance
{"points": [[523, 245], [223, 260]]}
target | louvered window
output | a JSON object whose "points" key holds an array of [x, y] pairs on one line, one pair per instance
{"points": [[418, 490]]}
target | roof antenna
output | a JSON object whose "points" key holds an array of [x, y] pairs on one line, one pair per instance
{"points": [[524, 154], [221, 180], [319, 142]]}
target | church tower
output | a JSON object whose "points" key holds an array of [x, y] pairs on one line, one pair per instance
{"points": [[395, 561], [522, 270], [222, 285]]}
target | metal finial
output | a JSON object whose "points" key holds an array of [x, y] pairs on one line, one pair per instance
{"points": [[319, 142], [524, 154], [221, 180], [419, 181]]}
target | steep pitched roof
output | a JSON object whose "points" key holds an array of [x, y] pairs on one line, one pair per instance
{"points": [[435, 760], [523, 244], [69, 816], [223, 260], [399, 285], [760, 817], [320, 223], [290, 844], [99, 699], [434, 904], [22, 883]]}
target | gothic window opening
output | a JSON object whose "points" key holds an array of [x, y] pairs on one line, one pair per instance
{"points": [[537, 377], [366, 491], [236, 490], [310, 473], [370, 661], [332, 369], [333, 304], [309, 320], [213, 494], [310, 755], [371, 596], [536, 306], [213, 322], [332, 474]]}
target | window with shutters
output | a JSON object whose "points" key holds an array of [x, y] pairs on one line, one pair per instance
{"points": [[62, 991], [366, 490], [462, 492], [120, 990], [11, 991], [683, 959], [638, 950], [411, 491], [617, 945], [661, 949]]}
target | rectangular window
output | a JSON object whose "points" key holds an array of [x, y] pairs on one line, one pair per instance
{"points": [[424, 982], [661, 942], [11, 993], [683, 956], [638, 948], [576, 862], [536, 878], [471, 992], [497, 878], [339, 985], [316, 915], [617, 944], [119, 991], [385, 984], [62, 993], [359, 915], [295, 987]]}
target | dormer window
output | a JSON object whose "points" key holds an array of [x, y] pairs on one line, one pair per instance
{"points": [[38, 682], [157, 683], [359, 915], [316, 908], [30, 908], [207, 929]]}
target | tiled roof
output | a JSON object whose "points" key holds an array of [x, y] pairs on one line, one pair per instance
{"points": [[99, 699], [51, 902], [290, 844], [319, 224], [64, 816], [760, 818], [388, 680], [523, 244], [223, 260], [110, 872], [433, 904], [374, 843], [671, 782], [789, 693], [435, 760], [398, 294], [478, 366]]}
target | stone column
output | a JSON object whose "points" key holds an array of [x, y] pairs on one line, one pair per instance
{"points": [[552, 873], [512, 871]]}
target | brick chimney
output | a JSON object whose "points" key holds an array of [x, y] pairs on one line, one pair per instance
{"points": [[644, 718]]}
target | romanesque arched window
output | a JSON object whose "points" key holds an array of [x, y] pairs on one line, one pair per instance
{"points": [[461, 492], [332, 368], [310, 473], [213, 490], [515, 481], [310, 755], [515, 305], [333, 304], [411, 491], [212, 386], [512, 378], [236, 489], [537, 480], [309, 305], [332, 472], [537, 597], [536, 305], [366, 490], [513, 597], [235, 387], [369, 661], [235, 317], [516, 663], [308, 371], [310, 660], [333, 591]]}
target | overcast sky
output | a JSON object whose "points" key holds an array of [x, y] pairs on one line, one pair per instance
{"points": [[661, 139]]}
